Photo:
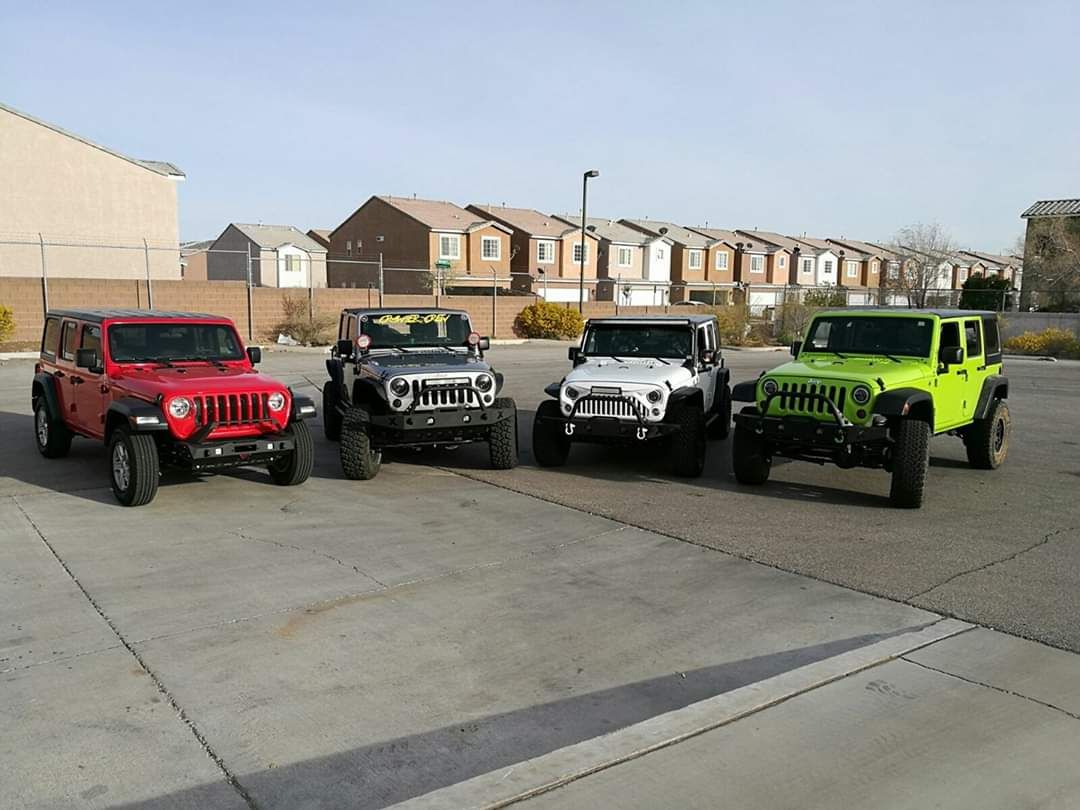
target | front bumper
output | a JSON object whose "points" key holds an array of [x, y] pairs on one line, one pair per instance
{"points": [[446, 426], [229, 453], [606, 428], [805, 430]]}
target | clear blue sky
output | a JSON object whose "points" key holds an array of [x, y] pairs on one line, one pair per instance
{"points": [[831, 118]]}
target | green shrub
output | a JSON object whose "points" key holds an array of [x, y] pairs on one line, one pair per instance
{"points": [[7, 323], [733, 322], [547, 320], [1052, 342], [826, 297]]}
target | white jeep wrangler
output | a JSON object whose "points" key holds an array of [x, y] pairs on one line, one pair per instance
{"points": [[639, 379]]}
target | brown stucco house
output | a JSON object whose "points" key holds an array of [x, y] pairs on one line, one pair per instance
{"points": [[63, 189], [419, 241], [193, 256], [270, 255], [689, 254], [995, 264], [875, 260], [320, 235], [639, 262], [545, 257]]}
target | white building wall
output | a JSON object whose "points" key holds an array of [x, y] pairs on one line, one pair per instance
{"points": [[657, 261], [827, 277]]}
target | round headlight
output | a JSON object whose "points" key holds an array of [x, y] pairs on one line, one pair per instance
{"points": [[484, 382], [654, 396], [399, 386], [572, 393], [180, 407], [860, 394], [276, 401], [769, 387]]}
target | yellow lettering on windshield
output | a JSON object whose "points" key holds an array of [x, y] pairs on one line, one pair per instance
{"points": [[412, 317]]}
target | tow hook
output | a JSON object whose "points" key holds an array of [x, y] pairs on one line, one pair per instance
{"points": [[570, 428], [642, 432]]}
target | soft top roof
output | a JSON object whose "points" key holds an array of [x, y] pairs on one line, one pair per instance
{"points": [[644, 319], [99, 315], [940, 313], [402, 310]]}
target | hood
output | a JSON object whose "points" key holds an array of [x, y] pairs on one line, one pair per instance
{"points": [[148, 382], [642, 371], [861, 369], [389, 365]]}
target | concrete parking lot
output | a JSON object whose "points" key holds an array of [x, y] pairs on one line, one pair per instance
{"points": [[449, 636]]}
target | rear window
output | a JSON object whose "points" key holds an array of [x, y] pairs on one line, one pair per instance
{"points": [[972, 338], [993, 340], [50, 337], [67, 341]]}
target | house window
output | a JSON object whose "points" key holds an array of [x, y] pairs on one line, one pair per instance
{"points": [[659, 253], [808, 265], [873, 267], [695, 259], [449, 246], [292, 264], [581, 251], [625, 257], [828, 266], [783, 262], [545, 252], [348, 247], [721, 260], [852, 269], [757, 264], [491, 248]]}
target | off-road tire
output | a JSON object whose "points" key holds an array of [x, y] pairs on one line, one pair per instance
{"points": [[720, 427], [359, 460], [138, 452], [550, 444], [502, 438], [295, 468], [57, 437], [987, 440], [331, 397], [911, 460], [750, 458], [688, 444]]}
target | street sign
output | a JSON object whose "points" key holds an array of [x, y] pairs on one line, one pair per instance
{"points": [[442, 264]]}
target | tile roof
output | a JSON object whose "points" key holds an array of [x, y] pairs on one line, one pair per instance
{"points": [[868, 248], [187, 248], [775, 239], [155, 166], [676, 233], [721, 235], [274, 236], [437, 214], [993, 258], [611, 229], [1053, 208], [527, 220]]}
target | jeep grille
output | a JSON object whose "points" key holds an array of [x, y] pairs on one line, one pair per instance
{"points": [[449, 397], [791, 399], [232, 409], [605, 406]]}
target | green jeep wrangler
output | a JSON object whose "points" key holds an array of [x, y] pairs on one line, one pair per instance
{"points": [[869, 387]]}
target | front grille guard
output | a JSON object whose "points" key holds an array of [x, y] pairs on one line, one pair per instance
{"points": [[419, 388], [635, 406], [836, 413]]}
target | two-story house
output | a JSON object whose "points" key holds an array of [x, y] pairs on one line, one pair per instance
{"points": [[634, 267], [421, 242], [266, 256], [790, 263], [546, 253], [875, 262], [689, 254]]}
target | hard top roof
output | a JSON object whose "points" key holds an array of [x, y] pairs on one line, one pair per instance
{"points": [[402, 310], [900, 311], [99, 315], [674, 319]]}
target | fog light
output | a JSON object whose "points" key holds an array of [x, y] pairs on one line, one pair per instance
{"points": [[466, 418], [568, 408], [655, 411], [397, 403], [431, 420], [860, 413]]}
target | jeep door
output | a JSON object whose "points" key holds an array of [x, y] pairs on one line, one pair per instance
{"points": [[65, 367], [88, 384], [974, 368], [707, 372], [951, 383]]}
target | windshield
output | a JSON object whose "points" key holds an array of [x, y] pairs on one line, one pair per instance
{"points": [[149, 342], [868, 335], [405, 329], [639, 341]]}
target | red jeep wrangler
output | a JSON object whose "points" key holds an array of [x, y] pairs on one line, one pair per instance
{"points": [[173, 388]]}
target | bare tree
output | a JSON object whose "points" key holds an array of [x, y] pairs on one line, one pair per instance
{"points": [[1054, 258], [926, 253]]}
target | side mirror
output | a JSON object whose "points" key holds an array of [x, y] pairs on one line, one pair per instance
{"points": [[254, 354], [796, 347], [344, 348], [708, 358], [951, 355], [484, 344], [573, 353], [88, 359]]}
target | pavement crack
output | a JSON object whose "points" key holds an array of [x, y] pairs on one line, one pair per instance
{"points": [[1046, 538], [1000, 689], [356, 569], [163, 690]]}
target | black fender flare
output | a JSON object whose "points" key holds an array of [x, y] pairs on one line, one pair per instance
{"points": [[45, 386], [336, 369], [499, 380], [681, 395], [131, 410], [994, 387], [904, 402], [303, 407], [372, 387], [744, 391], [553, 389]]}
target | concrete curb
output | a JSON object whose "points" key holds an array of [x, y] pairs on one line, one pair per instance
{"points": [[19, 355], [544, 773]]}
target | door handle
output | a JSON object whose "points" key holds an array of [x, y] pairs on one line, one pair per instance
{"points": [[77, 380], [103, 388], [59, 374], [962, 371]]}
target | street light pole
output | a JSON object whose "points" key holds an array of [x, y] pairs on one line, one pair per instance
{"points": [[584, 220]]}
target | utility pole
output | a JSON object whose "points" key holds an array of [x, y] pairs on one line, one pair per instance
{"points": [[584, 221]]}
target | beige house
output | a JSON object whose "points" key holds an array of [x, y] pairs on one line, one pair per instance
{"points": [[77, 196], [633, 267], [193, 256], [419, 241], [274, 255]]}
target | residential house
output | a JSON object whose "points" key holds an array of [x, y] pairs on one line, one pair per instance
{"points": [[690, 253], [320, 235], [874, 263], [420, 242], [545, 253], [112, 216], [639, 262], [802, 260], [193, 257], [267, 255], [1007, 267]]}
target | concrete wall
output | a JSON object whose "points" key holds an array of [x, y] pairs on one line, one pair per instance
{"points": [[1016, 323], [75, 193]]}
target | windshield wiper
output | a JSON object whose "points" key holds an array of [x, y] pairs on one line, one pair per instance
{"points": [[661, 359], [159, 360], [213, 360], [894, 359], [841, 356]]}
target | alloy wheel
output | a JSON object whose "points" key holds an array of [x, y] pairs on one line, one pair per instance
{"points": [[121, 466], [42, 424]]}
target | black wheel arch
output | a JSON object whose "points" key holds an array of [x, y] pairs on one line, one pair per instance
{"points": [[44, 386], [686, 395], [906, 402], [994, 387], [128, 410], [744, 391]]}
